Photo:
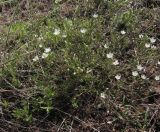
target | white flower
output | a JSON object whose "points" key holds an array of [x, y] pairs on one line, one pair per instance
{"points": [[157, 78], [36, 35], [118, 77], [153, 47], [70, 22], [143, 76], [36, 58], [47, 50], [45, 55], [40, 46], [110, 55], [56, 32], [105, 46], [40, 38], [116, 63], [83, 30], [158, 62], [123, 32], [147, 45], [141, 36], [134, 73], [80, 69], [152, 40], [103, 95], [88, 70], [140, 67], [109, 122], [95, 15], [57, 1], [64, 35]]}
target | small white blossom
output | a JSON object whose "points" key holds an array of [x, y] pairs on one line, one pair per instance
{"points": [[141, 36], [88, 70], [123, 32], [106, 46], [83, 30], [134, 73], [152, 40], [110, 55], [36, 58], [57, 1], [109, 122], [157, 78], [36, 35], [116, 63], [47, 50], [40, 46], [153, 47], [147, 45], [103, 95], [95, 15], [56, 32], [143, 76], [64, 35], [80, 69], [140, 67], [158, 62], [45, 55], [118, 77], [70, 22], [40, 38]]}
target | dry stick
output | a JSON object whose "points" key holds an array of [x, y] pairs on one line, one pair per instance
{"points": [[19, 125], [14, 124], [14, 88], [152, 127], [145, 97], [61, 125], [10, 84], [71, 126], [155, 113], [76, 118], [2, 130]]}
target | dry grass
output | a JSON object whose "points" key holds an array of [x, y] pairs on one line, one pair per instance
{"points": [[72, 66]]}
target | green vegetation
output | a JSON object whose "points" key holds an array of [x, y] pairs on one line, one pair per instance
{"points": [[90, 64]]}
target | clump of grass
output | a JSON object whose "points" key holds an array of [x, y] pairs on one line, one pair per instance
{"points": [[101, 52]]}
